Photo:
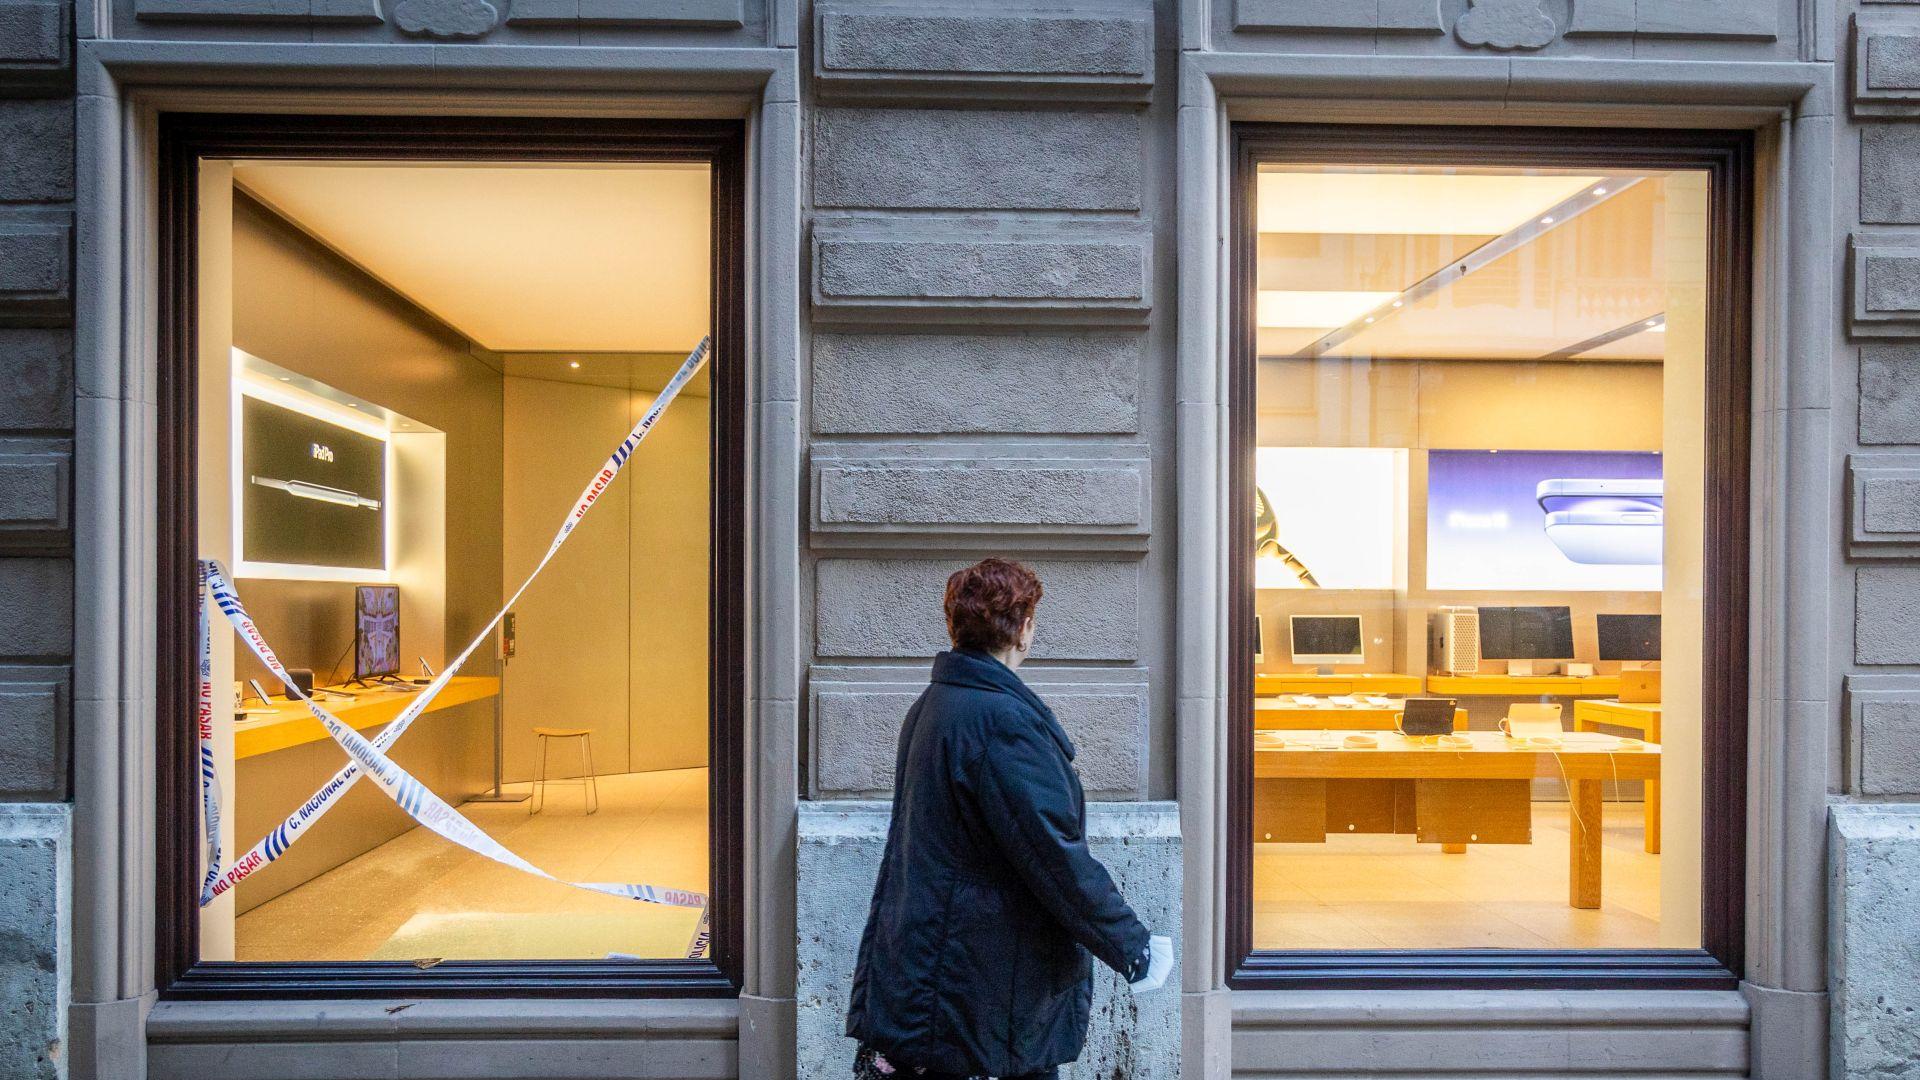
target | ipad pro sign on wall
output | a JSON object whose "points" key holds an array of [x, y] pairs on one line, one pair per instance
{"points": [[310, 489]]}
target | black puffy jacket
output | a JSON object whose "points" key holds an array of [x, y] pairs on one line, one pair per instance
{"points": [[974, 958]]}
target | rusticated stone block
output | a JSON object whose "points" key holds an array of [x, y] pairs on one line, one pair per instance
{"points": [[1883, 505], [984, 45], [34, 265], [1887, 615], [856, 730], [36, 367], [1889, 184], [1082, 275], [35, 899], [892, 607], [36, 607], [1884, 280], [1890, 748], [1873, 938], [1390, 16], [34, 481], [33, 722], [1136, 1037], [1889, 394], [866, 494], [33, 40], [36, 150], [873, 384], [977, 159]]}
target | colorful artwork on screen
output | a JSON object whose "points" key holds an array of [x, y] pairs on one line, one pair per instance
{"points": [[1551, 520]]}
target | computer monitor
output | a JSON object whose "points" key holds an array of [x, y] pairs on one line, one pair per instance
{"points": [[1628, 637], [1327, 639], [376, 631], [1526, 633]]}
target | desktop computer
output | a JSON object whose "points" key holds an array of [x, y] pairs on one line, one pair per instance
{"points": [[1327, 639], [1522, 635], [1453, 641]]}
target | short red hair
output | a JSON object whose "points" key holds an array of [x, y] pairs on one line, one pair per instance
{"points": [[987, 603]]}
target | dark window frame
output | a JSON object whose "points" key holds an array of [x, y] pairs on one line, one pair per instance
{"points": [[185, 140], [1727, 157]]}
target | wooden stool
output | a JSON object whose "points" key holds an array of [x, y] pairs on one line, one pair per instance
{"points": [[589, 784]]}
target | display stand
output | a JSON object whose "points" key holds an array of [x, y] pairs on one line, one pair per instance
{"points": [[499, 742]]}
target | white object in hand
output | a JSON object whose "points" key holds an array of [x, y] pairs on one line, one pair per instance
{"points": [[1159, 965]]}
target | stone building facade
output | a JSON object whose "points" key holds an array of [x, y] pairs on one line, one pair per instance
{"points": [[946, 201]]}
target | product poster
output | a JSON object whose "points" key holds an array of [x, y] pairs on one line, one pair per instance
{"points": [[1550, 520], [1327, 517]]}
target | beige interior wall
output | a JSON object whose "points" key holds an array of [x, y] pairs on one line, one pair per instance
{"points": [[297, 305], [671, 558], [569, 668], [614, 636], [1681, 630]]}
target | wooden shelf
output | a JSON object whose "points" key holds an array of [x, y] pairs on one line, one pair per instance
{"points": [[292, 725], [1358, 682], [1523, 685]]}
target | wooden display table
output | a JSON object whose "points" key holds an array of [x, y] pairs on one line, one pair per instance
{"points": [[1457, 796], [1270, 714], [1641, 716], [290, 724], [1523, 685], [1359, 682]]}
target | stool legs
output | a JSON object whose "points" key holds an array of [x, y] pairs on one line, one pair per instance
{"points": [[539, 781], [590, 782]]}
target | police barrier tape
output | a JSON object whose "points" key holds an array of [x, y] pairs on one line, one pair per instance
{"points": [[369, 756]]}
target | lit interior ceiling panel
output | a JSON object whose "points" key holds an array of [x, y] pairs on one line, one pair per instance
{"points": [[1404, 202], [1584, 278], [523, 257]]}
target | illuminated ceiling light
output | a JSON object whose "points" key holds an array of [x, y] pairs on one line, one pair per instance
{"points": [[1548, 220], [353, 404], [1399, 303], [286, 378], [1369, 318], [1346, 200], [574, 364], [1309, 309], [1599, 191]]}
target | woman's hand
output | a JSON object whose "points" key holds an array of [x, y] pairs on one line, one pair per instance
{"points": [[1159, 965]]}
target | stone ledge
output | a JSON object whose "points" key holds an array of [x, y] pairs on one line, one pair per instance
{"points": [[1386, 16], [1883, 280], [972, 271], [1873, 930], [34, 49], [1883, 505], [36, 479], [988, 494], [839, 856], [984, 51], [663, 14], [246, 11]]}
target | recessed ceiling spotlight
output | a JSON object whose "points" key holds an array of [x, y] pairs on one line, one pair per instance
{"points": [[286, 378], [1652, 323], [1369, 318], [574, 364], [1548, 220], [1398, 303], [353, 405], [1599, 191]]}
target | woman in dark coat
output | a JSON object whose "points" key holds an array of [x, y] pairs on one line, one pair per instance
{"points": [[974, 961]]}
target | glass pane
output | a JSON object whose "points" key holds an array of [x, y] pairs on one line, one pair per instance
{"points": [[409, 372], [1478, 530]]}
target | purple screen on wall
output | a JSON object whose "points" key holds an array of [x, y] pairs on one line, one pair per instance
{"points": [[1599, 530]]}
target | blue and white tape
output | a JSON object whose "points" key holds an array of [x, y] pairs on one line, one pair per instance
{"points": [[369, 756]]}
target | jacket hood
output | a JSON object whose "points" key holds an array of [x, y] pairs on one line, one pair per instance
{"points": [[978, 671]]}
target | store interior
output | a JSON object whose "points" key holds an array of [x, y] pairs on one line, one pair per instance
{"points": [[1478, 549], [408, 372]]}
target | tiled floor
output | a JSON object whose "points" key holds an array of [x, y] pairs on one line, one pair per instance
{"points": [[420, 896], [1388, 892]]}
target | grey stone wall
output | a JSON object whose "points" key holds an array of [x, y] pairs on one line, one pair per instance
{"points": [[1131, 1037], [36, 566]]}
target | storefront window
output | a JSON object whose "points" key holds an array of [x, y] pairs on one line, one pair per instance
{"points": [[408, 371], [1478, 470]]}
